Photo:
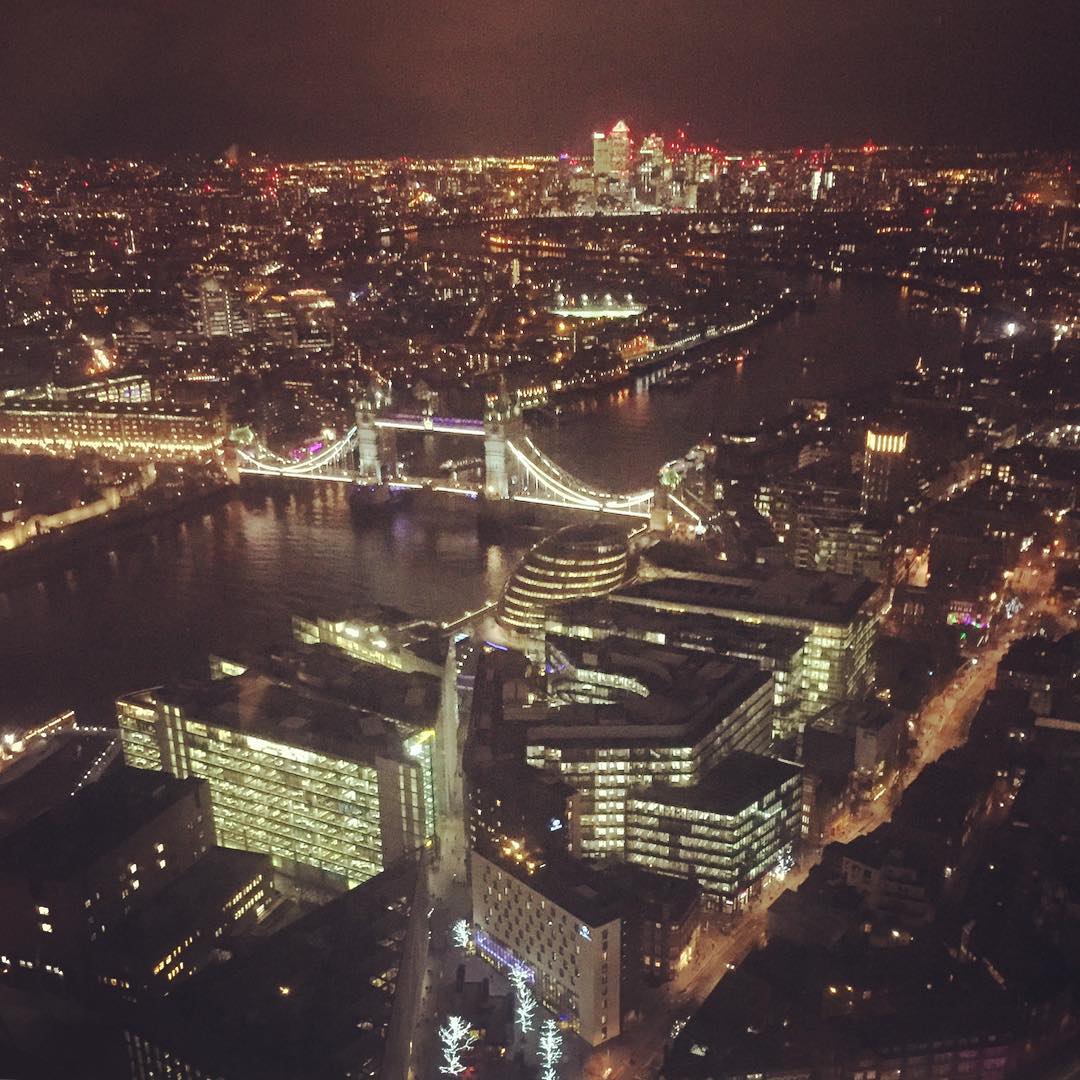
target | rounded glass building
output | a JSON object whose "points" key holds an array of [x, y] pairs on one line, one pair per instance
{"points": [[580, 560]]}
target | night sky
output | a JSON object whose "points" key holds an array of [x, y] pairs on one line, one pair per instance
{"points": [[352, 77]]}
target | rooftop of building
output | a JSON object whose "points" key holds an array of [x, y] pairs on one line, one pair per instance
{"points": [[1043, 656], [803, 595], [310, 1001], [945, 793], [195, 899], [593, 536], [609, 619], [316, 700], [738, 782], [583, 891], [662, 896], [848, 717], [72, 836], [685, 691], [75, 405], [45, 777]]}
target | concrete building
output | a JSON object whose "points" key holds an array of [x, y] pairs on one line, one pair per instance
{"points": [[562, 923], [884, 458], [187, 924], [313, 1001], [71, 876]]}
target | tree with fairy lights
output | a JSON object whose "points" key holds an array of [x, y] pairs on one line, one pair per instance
{"points": [[550, 1050], [461, 934], [456, 1038], [524, 999]]}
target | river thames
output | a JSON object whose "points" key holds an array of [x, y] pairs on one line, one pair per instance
{"points": [[227, 581]]}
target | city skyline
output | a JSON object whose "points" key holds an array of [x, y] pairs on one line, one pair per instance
{"points": [[422, 79], [506, 576]]}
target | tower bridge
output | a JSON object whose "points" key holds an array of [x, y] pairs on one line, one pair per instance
{"points": [[515, 470]]}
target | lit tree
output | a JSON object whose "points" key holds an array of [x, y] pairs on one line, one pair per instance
{"points": [[461, 934], [523, 998], [550, 1050], [456, 1038]]}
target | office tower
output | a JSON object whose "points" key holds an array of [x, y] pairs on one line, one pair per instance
{"points": [[601, 155], [740, 823], [580, 560], [220, 312], [650, 168], [334, 788], [612, 154], [884, 458], [627, 714], [838, 615], [778, 650], [619, 144]]}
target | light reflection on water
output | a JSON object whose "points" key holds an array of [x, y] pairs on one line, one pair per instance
{"points": [[228, 580]]}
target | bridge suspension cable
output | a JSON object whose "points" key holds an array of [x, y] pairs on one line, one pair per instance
{"points": [[570, 491], [301, 468]]}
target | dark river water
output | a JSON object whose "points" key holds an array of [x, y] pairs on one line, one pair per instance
{"points": [[228, 580]]}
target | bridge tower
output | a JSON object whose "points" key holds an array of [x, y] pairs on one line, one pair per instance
{"points": [[502, 423], [376, 448]]}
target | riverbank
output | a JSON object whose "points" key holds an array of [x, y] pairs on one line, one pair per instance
{"points": [[64, 548]]}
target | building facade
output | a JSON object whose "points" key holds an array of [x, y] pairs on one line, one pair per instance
{"points": [[313, 782], [131, 432], [729, 832], [558, 923]]}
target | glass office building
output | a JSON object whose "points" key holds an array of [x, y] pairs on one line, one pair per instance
{"points": [[625, 714], [580, 560], [728, 832], [313, 781]]}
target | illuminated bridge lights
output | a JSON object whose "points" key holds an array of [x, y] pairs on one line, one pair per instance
{"points": [[545, 483]]}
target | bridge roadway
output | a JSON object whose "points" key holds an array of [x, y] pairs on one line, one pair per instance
{"points": [[542, 481]]}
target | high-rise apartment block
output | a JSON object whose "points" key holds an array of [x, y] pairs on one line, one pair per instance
{"points": [[883, 461]]}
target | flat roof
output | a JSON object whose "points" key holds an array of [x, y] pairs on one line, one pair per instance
{"points": [[196, 897], [724, 635], [268, 707], [586, 893], [806, 595], [336, 967], [738, 781], [49, 780], [73, 406], [61, 843], [688, 691]]}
